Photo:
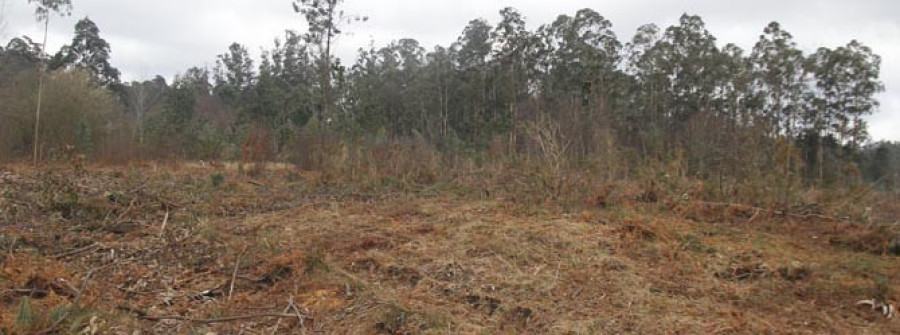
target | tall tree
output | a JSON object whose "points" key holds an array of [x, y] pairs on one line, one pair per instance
{"points": [[780, 86], [514, 51], [472, 51], [583, 71], [295, 72], [439, 78], [88, 51], [645, 122], [691, 51], [43, 9], [846, 81], [325, 20], [144, 97], [779, 73], [234, 74], [20, 52]]}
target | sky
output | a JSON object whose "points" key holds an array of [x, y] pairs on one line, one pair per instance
{"points": [[165, 37]]}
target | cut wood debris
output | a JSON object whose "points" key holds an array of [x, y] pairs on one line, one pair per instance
{"points": [[329, 259]]}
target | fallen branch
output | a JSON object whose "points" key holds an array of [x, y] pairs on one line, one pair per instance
{"points": [[300, 316], [885, 307], [216, 320], [162, 229], [278, 323], [759, 209], [77, 251], [126, 211], [237, 265], [26, 291]]}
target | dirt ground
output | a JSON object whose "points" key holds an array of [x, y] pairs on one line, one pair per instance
{"points": [[194, 250]]}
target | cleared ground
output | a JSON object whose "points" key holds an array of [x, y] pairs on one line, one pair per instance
{"points": [[191, 250]]}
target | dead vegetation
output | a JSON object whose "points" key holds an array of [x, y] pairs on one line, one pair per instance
{"points": [[199, 249]]}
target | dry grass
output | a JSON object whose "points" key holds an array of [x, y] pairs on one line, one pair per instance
{"points": [[416, 262]]}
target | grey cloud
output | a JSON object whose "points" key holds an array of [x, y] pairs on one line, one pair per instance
{"points": [[167, 36]]}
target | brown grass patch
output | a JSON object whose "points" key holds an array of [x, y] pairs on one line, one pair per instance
{"points": [[402, 262]]}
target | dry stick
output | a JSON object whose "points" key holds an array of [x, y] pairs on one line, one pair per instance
{"points": [[162, 229], [77, 251], [127, 210], [217, 320], [278, 323], [785, 213], [237, 264], [12, 246], [30, 292], [299, 316]]}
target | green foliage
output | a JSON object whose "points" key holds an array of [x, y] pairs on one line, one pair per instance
{"points": [[75, 112], [770, 115], [88, 51], [217, 179], [43, 8], [25, 318], [315, 262], [880, 163], [85, 143]]}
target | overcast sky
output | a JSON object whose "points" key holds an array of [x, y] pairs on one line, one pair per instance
{"points": [[150, 37]]}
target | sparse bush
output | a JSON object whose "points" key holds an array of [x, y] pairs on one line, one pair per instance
{"points": [[315, 262], [25, 318], [217, 179]]}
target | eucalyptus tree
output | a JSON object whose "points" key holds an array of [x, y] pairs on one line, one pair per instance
{"points": [[364, 94], [689, 57], [734, 100], [297, 72], [472, 52], [403, 62], [846, 82], [88, 51], [779, 79], [173, 130], [142, 98], [20, 52], [648, 95], [266, 93], [582, 77], [388, 90], [585, 53], [514, 57], [690, 51], [42, 12], [439, 77], [325, 21], [780, 83], [270, 107], [234, 75], [281, 97]]}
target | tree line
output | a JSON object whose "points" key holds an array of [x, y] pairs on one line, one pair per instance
{"points": [[570, 89]]}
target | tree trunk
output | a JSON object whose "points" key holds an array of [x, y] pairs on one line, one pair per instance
{"points": [[326, 99], [40, 97]]}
